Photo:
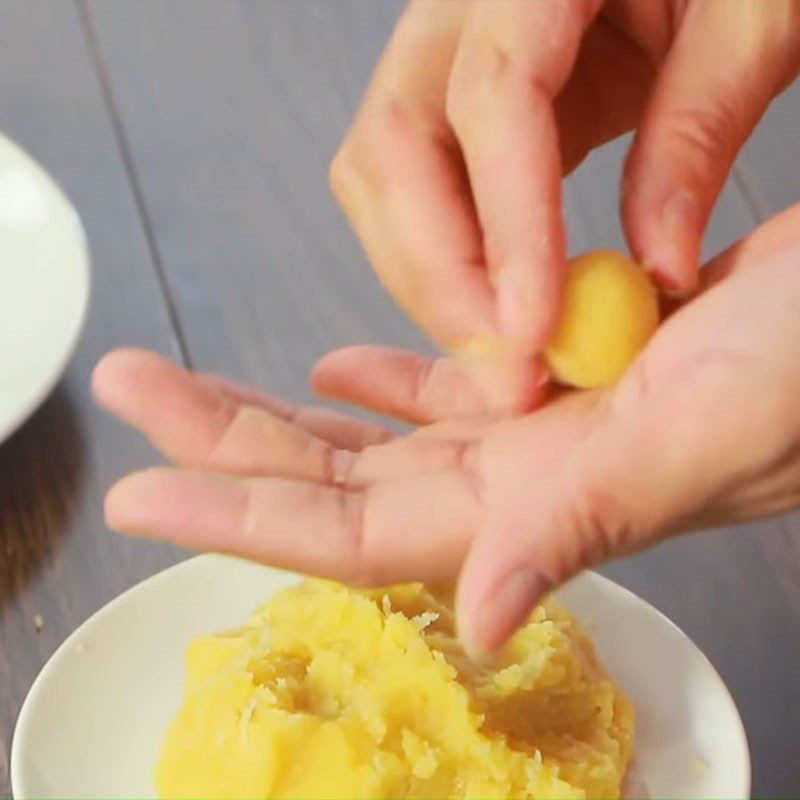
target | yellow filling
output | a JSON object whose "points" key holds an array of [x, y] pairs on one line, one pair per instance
{"points": [[331, 692], [610, 312]]}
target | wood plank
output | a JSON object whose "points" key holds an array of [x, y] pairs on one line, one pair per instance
{"points": [[770, 164], [233, 111], [57, 558]]}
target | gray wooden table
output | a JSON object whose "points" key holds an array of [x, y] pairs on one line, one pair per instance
{"points": [[194, 138]]}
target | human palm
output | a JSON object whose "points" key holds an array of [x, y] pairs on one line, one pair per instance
{"points": [[703, 429]]}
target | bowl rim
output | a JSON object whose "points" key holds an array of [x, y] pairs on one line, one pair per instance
{"points": [[741, 732]]}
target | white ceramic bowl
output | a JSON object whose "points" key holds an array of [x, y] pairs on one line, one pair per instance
{"points": [[44, 285], [92, 724]]}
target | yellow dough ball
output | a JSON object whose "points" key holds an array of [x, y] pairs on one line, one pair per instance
{"points": [[610, 312]]}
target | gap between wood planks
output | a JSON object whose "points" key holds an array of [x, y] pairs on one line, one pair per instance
{"points": [[96, 54]]}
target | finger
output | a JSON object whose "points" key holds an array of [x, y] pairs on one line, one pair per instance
{"points": [[196, 424], [755, 250], [422, 390], [398, 384], [725, 66], [400, 179], [605, 93], [512, 61], [608, 497], [414, 529], [201, 427], [514, 563], [416, 455], [338, 429]]}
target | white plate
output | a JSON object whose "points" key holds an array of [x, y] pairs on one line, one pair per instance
{"points": [[44, 285], [92, 724]]}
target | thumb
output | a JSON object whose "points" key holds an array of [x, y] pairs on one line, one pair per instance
{"points": [[643, 469], [726, 64]]}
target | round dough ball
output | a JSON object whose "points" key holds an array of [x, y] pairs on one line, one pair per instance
{"points": [[610, 312]]}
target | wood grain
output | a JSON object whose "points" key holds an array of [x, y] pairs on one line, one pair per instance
{"points": [[56, 558], [204, 163]]}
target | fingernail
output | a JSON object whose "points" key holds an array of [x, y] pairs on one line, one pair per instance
{"points": [[668, 286], [503, 611], [674, 235]]}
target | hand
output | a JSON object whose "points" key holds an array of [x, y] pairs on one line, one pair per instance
{"points": [[451, 174], [703, 430]]}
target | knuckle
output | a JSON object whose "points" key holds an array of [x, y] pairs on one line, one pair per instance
{"points": [[249, 512], [489, 65], [478, 69], [387, 132], [710, 134], [424, 382], [358, 569], [341, 173], [398, 125], [468, 460], [229, 420], [438, 383], [600, 524]]}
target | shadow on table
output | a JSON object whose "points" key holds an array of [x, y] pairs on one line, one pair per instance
{"points": [[40, 469]]}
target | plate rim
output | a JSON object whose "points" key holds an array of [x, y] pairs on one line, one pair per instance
{"points": [[198, 561], [11, 424]]}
